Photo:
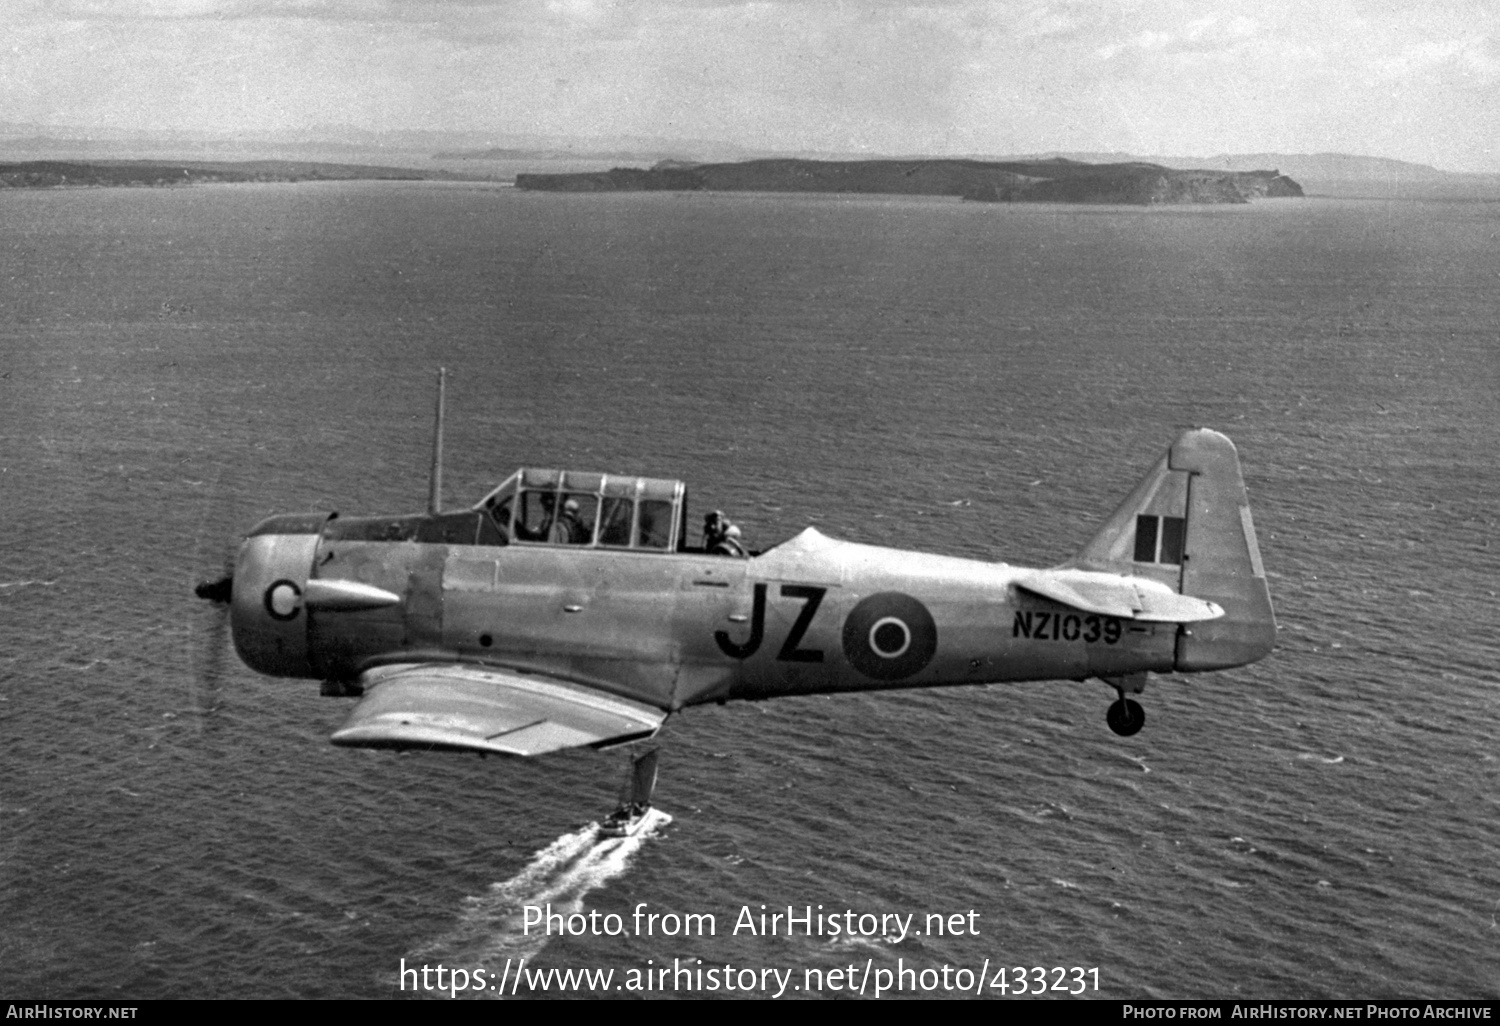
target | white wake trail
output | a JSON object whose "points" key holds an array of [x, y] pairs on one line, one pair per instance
{"points": [[491, 928]]}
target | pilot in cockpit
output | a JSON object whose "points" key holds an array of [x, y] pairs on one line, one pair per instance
{"points": [[567, 529], [713, 529], [722, 538], [729, 544]]}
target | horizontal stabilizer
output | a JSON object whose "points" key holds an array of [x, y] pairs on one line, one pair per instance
{"points": [[1129, 598], [487, 709]]}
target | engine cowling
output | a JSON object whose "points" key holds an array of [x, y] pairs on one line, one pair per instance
{"points": [[268, 608]]}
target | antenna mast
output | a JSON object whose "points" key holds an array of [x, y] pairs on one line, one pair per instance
{"points": [[435, 491]]}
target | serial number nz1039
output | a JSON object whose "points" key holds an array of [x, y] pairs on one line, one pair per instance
{"points": [[1066, 627]]}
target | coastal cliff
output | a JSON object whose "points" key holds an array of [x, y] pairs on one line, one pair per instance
{"points": [[1042, 181]]}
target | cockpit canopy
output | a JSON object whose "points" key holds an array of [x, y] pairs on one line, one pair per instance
{"points": [[563, 507]]}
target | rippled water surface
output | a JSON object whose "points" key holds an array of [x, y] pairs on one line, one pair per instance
{"points": [[976, 380]]}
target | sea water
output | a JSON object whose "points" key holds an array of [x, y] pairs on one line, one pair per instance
{"points": [[977, 380]]}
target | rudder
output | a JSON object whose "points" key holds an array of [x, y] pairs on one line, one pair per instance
{"points": [[1188, 525]]}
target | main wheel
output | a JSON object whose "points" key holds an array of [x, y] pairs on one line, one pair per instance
{"points": [[1126, 717]]}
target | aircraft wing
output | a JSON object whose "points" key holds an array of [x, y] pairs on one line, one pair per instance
{"points": [[1129, 598], [487, 709]]}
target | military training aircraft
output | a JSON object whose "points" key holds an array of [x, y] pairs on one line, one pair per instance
{"points": [[500, 629]]}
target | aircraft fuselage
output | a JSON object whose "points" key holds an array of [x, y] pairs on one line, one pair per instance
{"points": [[676, 629], [568, 608]]}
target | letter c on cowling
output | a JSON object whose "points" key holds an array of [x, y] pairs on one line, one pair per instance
{"points": [[283, 600]]}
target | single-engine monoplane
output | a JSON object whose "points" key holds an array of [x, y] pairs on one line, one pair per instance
{"points": [[498, 628]]}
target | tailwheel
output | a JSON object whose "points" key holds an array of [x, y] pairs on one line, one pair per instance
{"points": [[1126, 717]]}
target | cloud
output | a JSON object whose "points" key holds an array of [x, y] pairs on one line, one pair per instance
{"points": [[978, 76], [369, 12], [1206, 35], [1474, 59]]}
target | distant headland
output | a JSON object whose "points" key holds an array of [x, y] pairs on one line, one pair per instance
{"points": [[1055, 180]]}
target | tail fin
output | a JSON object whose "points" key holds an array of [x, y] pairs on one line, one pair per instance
{"points": [[1187, 525]]}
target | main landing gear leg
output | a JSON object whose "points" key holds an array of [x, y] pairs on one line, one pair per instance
{"points": [[1125, 716]]}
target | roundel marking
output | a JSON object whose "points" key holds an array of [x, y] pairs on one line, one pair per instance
{"points": [[889, 636], [283, 599]]}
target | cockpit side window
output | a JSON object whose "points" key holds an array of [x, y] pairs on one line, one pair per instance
{"points": [[499, 506], [490, 532], [654, 529], [501, 513], [534, 516], [614, 522]]}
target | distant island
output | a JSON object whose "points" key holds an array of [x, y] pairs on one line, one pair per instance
{"points": [[1055, 180], [330, 151], [1049, 180], [43, 174]]}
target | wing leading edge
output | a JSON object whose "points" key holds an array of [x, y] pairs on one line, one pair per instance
{"points": [[486, 709], [1130, 598]]}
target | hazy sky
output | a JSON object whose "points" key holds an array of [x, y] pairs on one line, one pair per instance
{"points": [[1397, 78]]}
